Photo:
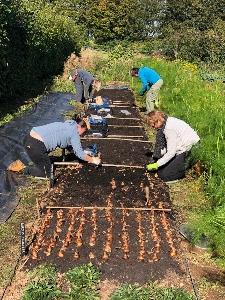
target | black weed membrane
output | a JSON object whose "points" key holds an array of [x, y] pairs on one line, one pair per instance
{"points": [[50, 109]]}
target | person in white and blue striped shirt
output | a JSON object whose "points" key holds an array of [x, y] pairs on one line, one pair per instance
{"points": [[174, 140]]}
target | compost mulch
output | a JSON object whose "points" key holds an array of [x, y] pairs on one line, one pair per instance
{"points": [[125, 121], [91, 186], [121, 151], [105, 215], [127, 131]]}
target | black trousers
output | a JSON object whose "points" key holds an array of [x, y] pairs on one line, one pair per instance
{"points": [[41, 164], [174, 169]]}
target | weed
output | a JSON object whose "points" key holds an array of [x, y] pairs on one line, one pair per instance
{"points": [[62, 85], [79, 109], [150, 292], [43, 284], [83, 280]]}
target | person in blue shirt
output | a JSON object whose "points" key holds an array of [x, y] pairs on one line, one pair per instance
{"points": [[43, 139], [151, 83]]}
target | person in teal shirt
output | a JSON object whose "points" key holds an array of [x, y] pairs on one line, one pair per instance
{"points": [[151, 83]]}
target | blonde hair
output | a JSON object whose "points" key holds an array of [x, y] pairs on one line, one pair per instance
{"points": [[155, 117]]}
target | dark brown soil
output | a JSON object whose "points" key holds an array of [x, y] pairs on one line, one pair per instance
{"points": [[148, 236]]}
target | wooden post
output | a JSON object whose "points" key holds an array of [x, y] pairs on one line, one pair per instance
{"points": [[116, 139], [117, 118], [52, 179], [126, 126], [124, 136], [106, 207], [121, 106], [72, 163], [66, 163], [122, 166]]}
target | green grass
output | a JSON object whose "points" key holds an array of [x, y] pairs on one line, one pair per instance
{"points": [[60, 85], [201, 104], [9, 231], [8, 111], [150, 292]]}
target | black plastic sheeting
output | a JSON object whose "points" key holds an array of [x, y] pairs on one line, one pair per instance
{"points": [[49, 109]]}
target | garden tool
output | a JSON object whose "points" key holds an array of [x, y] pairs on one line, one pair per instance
{"points": [[92, 150], [16, 166], [99, 100], [100, 103], [97, 120], [100, 165], [98, 126]]}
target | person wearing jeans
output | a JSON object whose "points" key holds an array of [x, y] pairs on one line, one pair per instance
{"points": [[151, 83], [43, 139], [174, 140]]}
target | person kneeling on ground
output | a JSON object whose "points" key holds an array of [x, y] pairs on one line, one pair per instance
{"points": [[174, 140], [43, 139], [151, 83], [85, 84]]}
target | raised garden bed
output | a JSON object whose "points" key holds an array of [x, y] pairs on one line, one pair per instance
{"points": [[102, 214]]}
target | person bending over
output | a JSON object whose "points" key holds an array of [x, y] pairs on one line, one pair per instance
{"points": [[151, 83], [174, 140], [85, 84], [43, 139]]}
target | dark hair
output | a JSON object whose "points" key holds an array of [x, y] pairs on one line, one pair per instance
{"points": [[81, 122], [134, 71]]}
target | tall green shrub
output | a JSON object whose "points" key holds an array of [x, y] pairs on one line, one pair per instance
{"points": [[39, 39]]}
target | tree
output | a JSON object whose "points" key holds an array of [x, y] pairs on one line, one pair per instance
{"points": [[193, 29], [108, 20]]}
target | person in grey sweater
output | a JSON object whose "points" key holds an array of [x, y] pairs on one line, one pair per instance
{"points": [[43, 139], [174, 140], [85, 84]]}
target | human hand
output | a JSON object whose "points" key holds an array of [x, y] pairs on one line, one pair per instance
{"points": [[152, 167], [96, 160]]}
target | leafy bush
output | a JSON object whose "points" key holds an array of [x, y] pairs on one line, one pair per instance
{"points": [[83, 280], [42, 285], [36, 39]]}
